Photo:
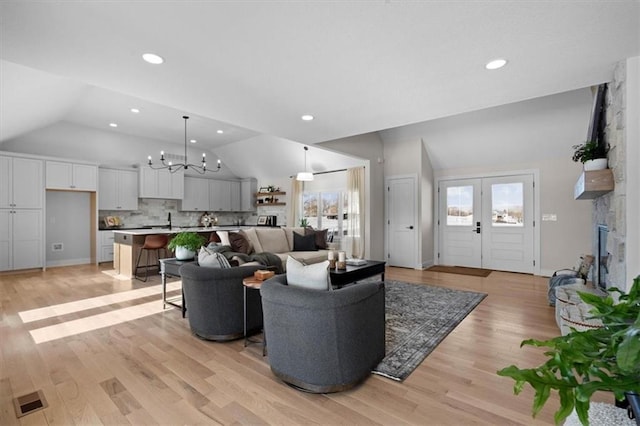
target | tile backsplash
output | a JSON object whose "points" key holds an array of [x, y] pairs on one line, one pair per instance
{"points": [[155, 212]]}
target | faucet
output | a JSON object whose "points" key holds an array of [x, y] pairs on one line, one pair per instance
{"points": [[169, 219]]}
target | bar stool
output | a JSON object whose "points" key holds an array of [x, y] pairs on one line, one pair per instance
{"points": [[155, 243]]}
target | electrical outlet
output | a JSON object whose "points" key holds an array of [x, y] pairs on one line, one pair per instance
{"points": [[57, 247], [551, 217]]}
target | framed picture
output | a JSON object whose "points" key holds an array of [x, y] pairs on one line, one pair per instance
{"points": [[262, 220], [264, 189]]}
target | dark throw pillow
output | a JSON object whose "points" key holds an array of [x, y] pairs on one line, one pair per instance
{"points": [[304, 242], [239, 243], [321, 236]]}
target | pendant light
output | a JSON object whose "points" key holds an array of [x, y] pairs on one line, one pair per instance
{"points": [[305, 176]]}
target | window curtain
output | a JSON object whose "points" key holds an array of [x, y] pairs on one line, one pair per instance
{"points": [[355, 223], [293, 218]]}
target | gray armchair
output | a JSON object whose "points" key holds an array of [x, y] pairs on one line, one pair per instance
{"points": [[323, 341], [215, 302]]}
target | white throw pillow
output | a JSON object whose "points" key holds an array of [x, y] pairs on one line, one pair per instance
{"points": [[315, 276], [211, 259], [224, 238]]}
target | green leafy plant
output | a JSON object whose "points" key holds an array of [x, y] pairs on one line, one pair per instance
{"points": [[189, 240], [583, 362], [304, 222], [589, 150]]}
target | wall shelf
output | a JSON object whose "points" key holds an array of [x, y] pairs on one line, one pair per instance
{"points": [[269, 198], [593, 184]]}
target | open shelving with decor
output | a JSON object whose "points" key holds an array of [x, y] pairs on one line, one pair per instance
{"points": [[269, 198]]}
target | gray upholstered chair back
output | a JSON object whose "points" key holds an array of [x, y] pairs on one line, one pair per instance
{"points": [[215, 304], [323, 341]]}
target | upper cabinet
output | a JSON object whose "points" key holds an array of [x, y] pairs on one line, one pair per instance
{"points": [[196, 194], [118, 189], [218, 195], [161, 183], [71, 176], [21, 183], [248, 188]]}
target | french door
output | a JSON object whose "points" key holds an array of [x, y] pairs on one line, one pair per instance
{"points": [[487, 223]]}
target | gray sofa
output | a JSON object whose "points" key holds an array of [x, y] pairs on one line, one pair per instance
{"points": [[323, 341], [280, 242], [215, 302]]}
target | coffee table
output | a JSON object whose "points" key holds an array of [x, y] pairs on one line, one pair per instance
{"points": [[341, 277]]}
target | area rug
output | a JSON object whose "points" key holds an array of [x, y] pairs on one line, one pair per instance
{"points": [[461, 270], [419, 317]]}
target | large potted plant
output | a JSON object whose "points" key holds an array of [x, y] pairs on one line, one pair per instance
{"points": [[583, 362], [591, 154], [185, 244]]}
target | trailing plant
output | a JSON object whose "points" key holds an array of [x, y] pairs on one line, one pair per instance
{"points": [[189, 240], [583, 362], [589, 150]]}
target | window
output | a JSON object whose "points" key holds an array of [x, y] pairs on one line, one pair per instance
{"points": [[507, 202], [460, 205], [326, 210]]}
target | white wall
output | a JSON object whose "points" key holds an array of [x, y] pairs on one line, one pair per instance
{"points": [[68, 217], [632, 138], [427, 218]]}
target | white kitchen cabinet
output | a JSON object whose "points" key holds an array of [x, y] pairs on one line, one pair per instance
{"points": [[21, 239], [21, 183], [161, 183], [118, 189], [248, 188], [105, 252], [220, 195], [196, 194], [234, 190], [71, 176]]}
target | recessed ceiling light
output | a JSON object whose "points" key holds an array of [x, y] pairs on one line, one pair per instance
{"points": [[152, 58], [307, 117], [135, 110], [193, 141], [220, 132], [113, 124], [495, 64]]}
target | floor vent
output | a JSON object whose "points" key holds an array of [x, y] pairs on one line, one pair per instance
{"points": [[29, 403]]}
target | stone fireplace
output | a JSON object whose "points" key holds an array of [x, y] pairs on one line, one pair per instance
{"points": [[609, 210]]}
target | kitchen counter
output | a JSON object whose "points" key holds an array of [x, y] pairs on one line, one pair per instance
{"points": [[127, 244], [175, 230]]}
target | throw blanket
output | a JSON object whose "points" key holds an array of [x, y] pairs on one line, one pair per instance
{"points": [[265, 258]]}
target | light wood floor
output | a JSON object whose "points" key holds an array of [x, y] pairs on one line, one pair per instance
{"points": [[151, 370]]}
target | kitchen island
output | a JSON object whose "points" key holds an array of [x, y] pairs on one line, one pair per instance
{"points": [[127, 244]]}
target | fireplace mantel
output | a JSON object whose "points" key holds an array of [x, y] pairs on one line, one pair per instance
{"points": [[593, 184]]}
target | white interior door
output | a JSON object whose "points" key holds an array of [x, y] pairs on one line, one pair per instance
{"points": [[507, 234], [460, 220], [487, 223], [401, 222]]}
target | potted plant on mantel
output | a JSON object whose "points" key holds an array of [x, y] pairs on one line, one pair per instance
{"points": [[185, 245], [583, 362], [592, 155]]}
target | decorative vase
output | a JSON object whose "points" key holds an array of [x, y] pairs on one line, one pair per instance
{"points": [[595, 164], [183, 253]]}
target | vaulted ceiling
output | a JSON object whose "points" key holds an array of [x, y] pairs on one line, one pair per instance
{"points": [[253, 68]]}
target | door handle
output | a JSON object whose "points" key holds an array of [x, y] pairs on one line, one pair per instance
{"points": [[476, 231], [410, 227]]}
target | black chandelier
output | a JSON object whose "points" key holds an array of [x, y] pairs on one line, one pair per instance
{"points": [[200, 168]]}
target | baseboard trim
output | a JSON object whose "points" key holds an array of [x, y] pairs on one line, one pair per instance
{"points": [[68, 262]]}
